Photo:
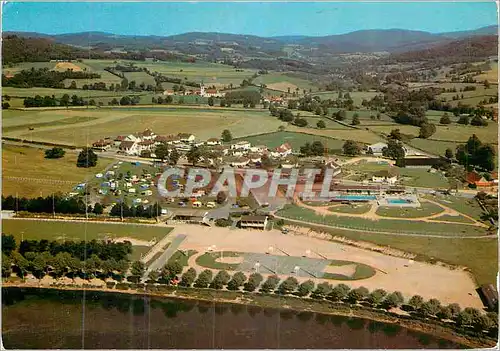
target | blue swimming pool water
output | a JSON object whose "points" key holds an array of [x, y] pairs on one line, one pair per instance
{"points": [[397, 201], [355, 198]]}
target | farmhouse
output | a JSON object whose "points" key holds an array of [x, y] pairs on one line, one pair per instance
{"points": [[474, 178], [282, 151], [168, 92], [213, 141], [259, 222], [146, 135], [102, 145], [186, 137], [389, 176]]}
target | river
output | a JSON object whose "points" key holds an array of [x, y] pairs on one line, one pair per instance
{"points": [[51, 319]]}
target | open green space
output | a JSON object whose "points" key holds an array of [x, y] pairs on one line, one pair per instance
{"points": [[60, 230], [425, 209], [285, 82], [356, 96], [296, 140], [352, 208], [450, 218], [463, 205], [386, 225], [109, 122], [140, 77], [363, 271], [26, 172], [138, 252], [182, 256]]}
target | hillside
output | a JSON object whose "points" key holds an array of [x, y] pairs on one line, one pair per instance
{"points": [[16, 49], [462, 50]]}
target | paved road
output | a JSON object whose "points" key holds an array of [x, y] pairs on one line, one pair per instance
{"points": [[165, 256]]}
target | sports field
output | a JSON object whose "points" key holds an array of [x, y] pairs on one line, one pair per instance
{"points": [[61, 230], [204, 123], [392, 273], [308, 267], [26, 172]]}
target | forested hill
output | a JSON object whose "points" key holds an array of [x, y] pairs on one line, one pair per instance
{"points": [[17, 49], [462, 50]]}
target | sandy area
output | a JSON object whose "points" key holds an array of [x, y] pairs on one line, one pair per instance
{"points": [[63, 66], [347, 270], [134, 242], [230, 260], [393, 273]]}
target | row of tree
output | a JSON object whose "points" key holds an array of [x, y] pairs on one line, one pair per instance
{"points": [[51, 101], [45, 78], [50, 204], [123, 210]]}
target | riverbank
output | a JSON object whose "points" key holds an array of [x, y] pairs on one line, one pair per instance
{"points": [[434, 328]]}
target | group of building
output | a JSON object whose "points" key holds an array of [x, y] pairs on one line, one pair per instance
{"points": [[202, 92]]}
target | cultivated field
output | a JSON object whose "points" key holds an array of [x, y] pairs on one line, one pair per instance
{"points": [[283, 82], [26, 172], [208, 73], [391, 273], [162, 120]]}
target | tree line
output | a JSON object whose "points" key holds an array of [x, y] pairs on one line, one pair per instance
{"points": [[123, 210], [50, 204], [85, 259], [43, 77]]}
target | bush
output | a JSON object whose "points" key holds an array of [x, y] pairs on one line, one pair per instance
{"points": [[253, 282], [204, 279], [223, 222], [270, 284], [55, 152]]}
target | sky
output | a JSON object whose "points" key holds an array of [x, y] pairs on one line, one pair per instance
{"points": [[255, 18]]}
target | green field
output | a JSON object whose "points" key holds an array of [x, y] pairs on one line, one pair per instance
{"points": [[208, 73], [425, 209], [140, 77], [296, 140], [26, 172], [109, 122], [449, 218], [356, 96], [284, 81], [468, 207], [418, 177], [386, 225], [353, 209], [58, 230]]}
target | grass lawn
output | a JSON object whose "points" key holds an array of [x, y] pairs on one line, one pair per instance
{"points": [[209, 260], [57, 230], [386, 225], [359, 135], [162, 120], [363, 271], [296, 140], [434, 147], [138, 252], [466, 206], [449, 218], [26, 172], [355, 209], [181, 257], [426, 209], [479, 255]]}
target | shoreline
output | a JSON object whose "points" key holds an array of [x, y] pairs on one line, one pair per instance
{"points": [[272, 301]]}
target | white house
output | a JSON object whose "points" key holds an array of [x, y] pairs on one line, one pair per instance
{"points": [[213, 141], [186, 137], [131, 137], [241, 145], [239, 162], [147, 135], [130, 147], [255, 158], [258, 148], [389, 176]]}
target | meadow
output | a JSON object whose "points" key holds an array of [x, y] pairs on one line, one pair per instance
{"points": [[60, 230], [26, 172], [162, 120], [283, 82], [491, 75], [296, 140]]}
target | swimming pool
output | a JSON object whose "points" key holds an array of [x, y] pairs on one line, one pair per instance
{"points": [[354, 198], [399, 201]]}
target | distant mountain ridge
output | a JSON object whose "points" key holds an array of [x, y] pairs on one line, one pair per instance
{"points": [[391, 40]]}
